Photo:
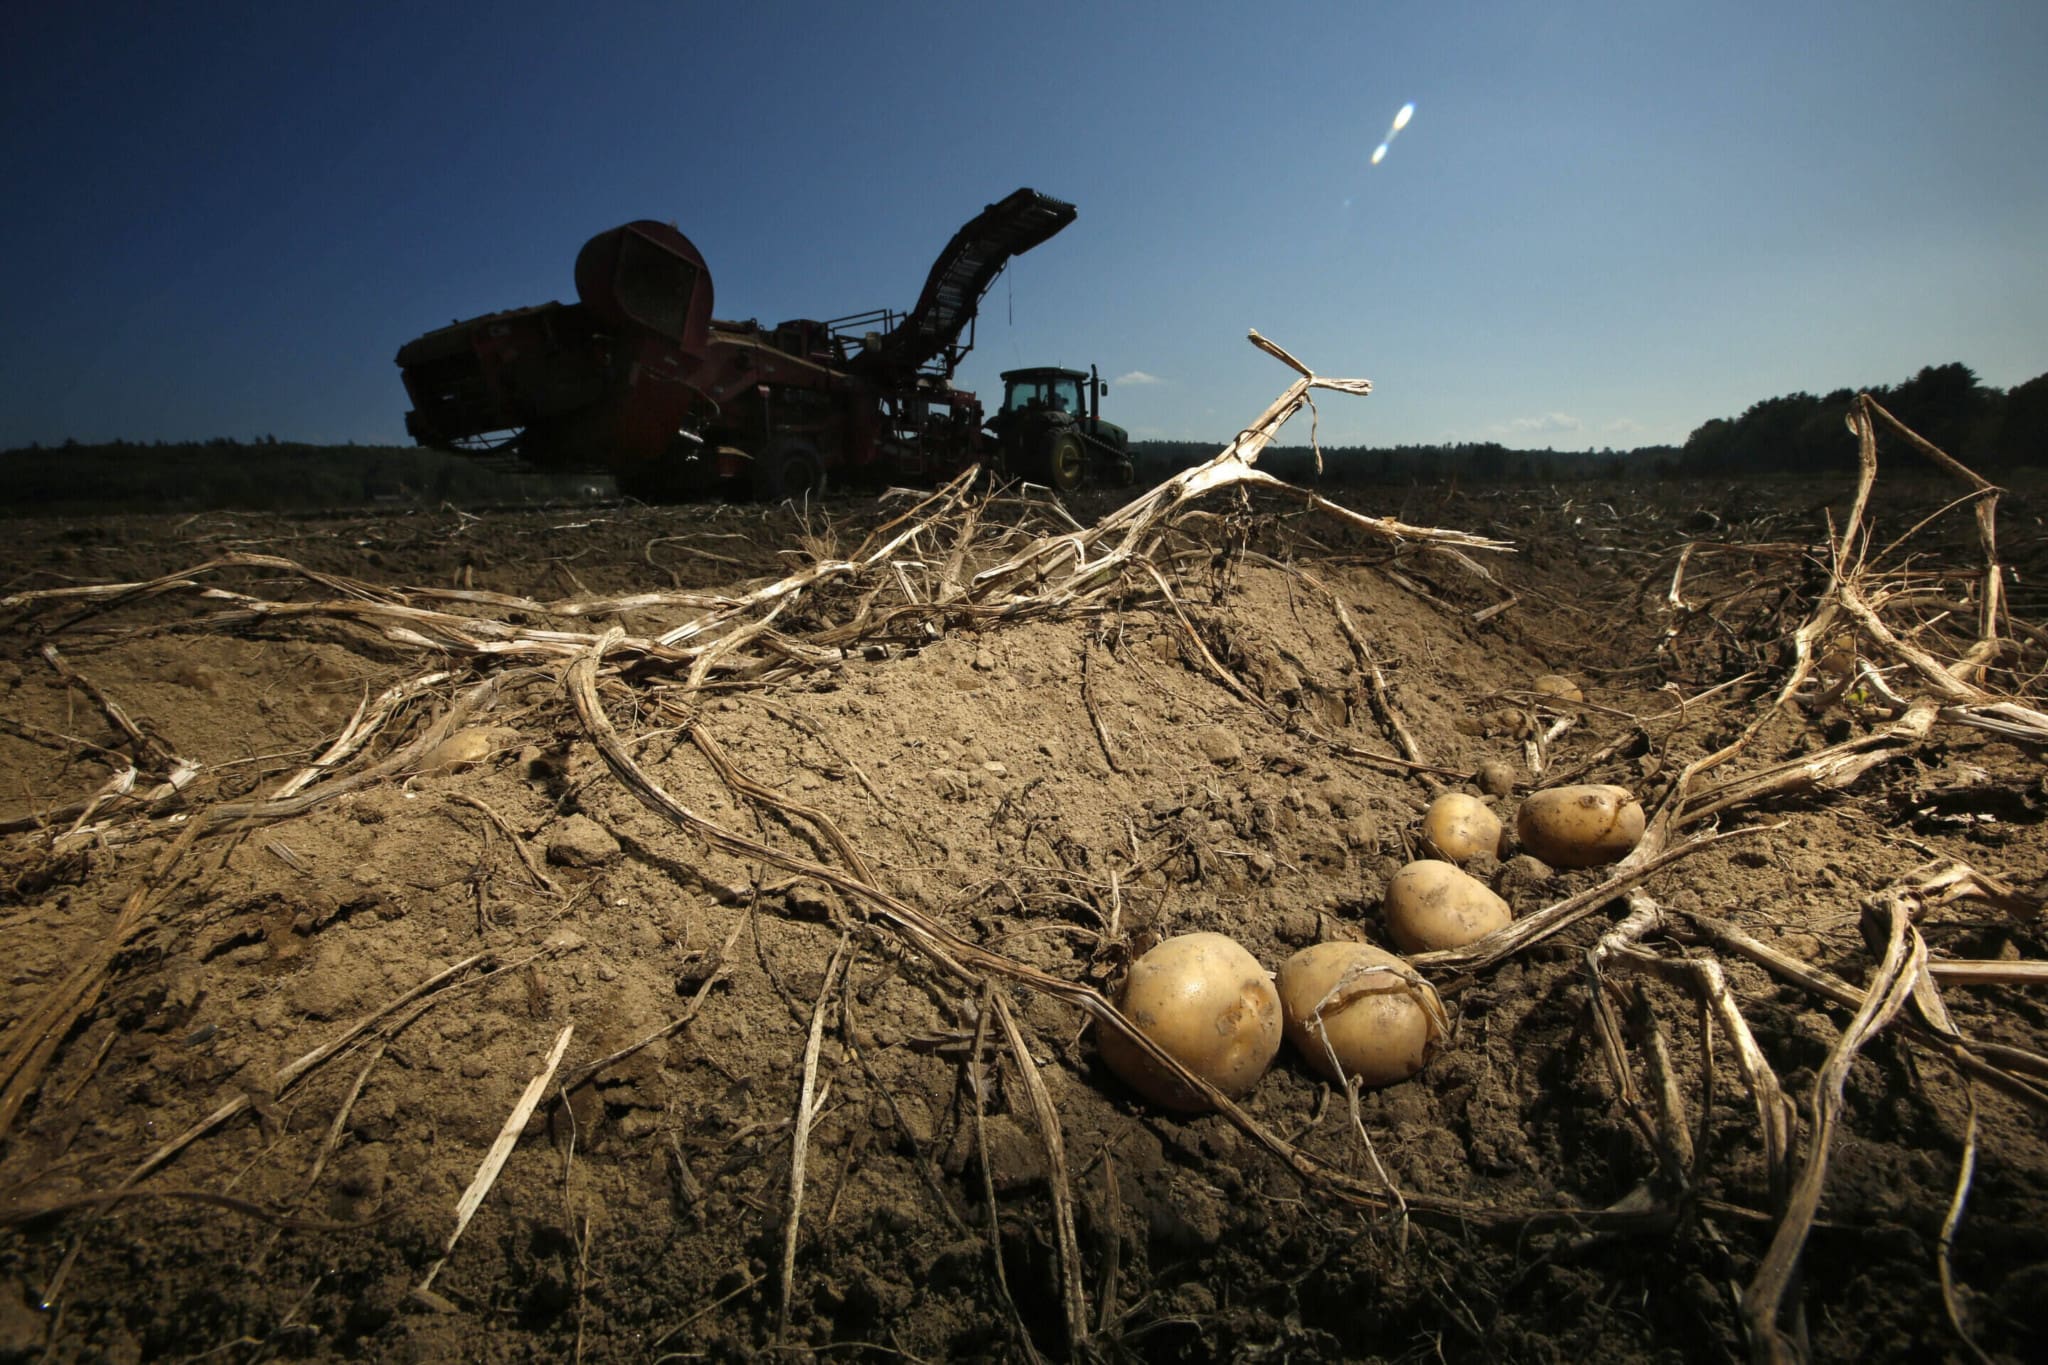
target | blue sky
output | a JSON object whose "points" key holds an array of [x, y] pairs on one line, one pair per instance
{"points": [[1605, 224]]}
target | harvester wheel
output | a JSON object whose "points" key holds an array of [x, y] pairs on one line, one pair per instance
{"points": [[1065, 462], [791, 469]]}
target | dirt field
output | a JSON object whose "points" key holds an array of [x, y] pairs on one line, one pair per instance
{"points": [[289, 990]]}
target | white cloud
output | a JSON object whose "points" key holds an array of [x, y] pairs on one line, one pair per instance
{"points": [[1547, 423], [1542, 424], [1139, 377]]}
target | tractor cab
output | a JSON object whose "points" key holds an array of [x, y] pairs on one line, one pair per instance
{"points": [[1047, 390], [1050, 430]]}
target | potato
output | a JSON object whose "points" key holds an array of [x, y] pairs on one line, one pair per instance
{"points": [[1211, 1005], [1559, 686], [463, 749], [1580, 826], [1496, 777], [1431, 905], [1382, 1022], [1458, 826], [1507, 721]]}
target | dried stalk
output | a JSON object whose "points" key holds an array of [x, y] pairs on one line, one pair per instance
{"points": [[979, 1090], [1073, 1295], [1890, 988], [1945, 1248], [540, 879], [33, 1038], [800, 1135], [1777, 1120], [148, 750], [500, 1151], [1969, 1055], [285, 1078]]}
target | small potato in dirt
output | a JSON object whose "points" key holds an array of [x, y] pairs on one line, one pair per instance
{"points": [[1495, 778], [463, 749], [1431, 905], [1584, 826], [1361, 1008], [1209, 1003], [1460, 826], [1559, 686]]}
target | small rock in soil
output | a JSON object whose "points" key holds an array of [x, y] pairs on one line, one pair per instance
{"points": [[1345, 799], [579, 841], [1523, 870], [950, 783], [1360, 831], [1192, 1222], [1324, 853], [1297, 927], [1015, 1157], [200, 678], [1218, 745], [332, 986]]}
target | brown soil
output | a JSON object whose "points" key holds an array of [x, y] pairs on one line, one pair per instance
{"points": [[1063, 789]]}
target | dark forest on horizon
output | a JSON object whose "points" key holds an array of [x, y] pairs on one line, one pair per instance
{"points": [[1802, 434], [1798, 433]]}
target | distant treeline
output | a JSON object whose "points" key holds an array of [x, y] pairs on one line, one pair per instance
{"points": [[263, 474], [1484, 461], [1986, 428], [1798, 433]]}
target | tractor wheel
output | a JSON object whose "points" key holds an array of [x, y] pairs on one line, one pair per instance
{"points": [[790, 469], [1065, 462], [1125, 473]]}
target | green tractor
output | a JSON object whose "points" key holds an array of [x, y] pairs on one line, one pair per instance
{"points": [[1050, 430]]}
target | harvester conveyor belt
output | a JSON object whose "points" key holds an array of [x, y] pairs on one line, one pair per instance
{"points": [[962, 274]]}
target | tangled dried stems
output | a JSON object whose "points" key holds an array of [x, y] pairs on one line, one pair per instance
{"points": [[966, 555], [1909, 686]]}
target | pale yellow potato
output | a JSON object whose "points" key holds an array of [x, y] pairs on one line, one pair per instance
{"points": [[1496, 777], [1382, 1022], [1584, 826], [1432, 905], [460, 750], [1208, 1003], [1459, 826], [1559, 686]]}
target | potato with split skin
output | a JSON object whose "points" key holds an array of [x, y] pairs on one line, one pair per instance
{"points": [[1431, 905], [1211, 1006], [1582, 826], [1355, 1010], [1460, 826]]}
